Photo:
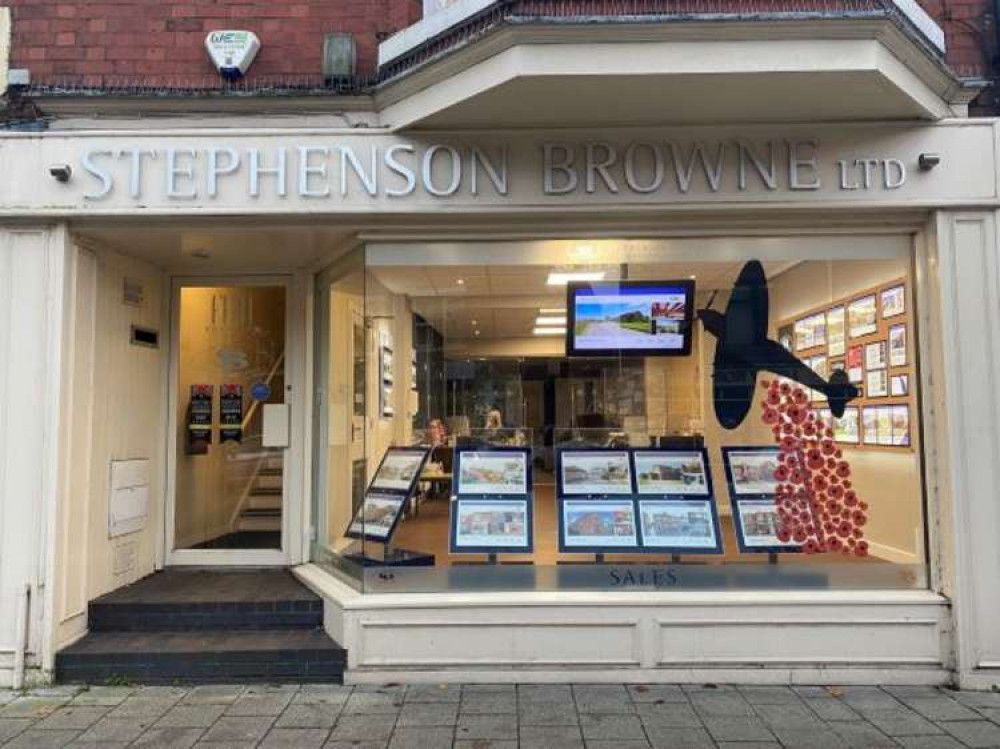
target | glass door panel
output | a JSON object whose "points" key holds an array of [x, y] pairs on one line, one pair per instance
{"points": [[230, 487]]}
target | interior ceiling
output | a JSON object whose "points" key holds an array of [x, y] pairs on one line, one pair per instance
{"points": [[503, 301], [681, 99]]}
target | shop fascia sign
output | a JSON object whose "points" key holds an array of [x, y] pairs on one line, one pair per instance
{"points": [[400, 169]]}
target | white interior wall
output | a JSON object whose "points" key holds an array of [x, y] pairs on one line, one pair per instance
{"points": [[115, 410]]}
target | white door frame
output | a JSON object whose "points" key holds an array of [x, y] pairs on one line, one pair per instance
{"points": [[295, 395]]}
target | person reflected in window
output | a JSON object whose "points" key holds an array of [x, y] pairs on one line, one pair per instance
{"points": [[437, 433]]}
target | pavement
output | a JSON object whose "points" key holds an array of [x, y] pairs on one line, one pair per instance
{"points": [[500, 717]]}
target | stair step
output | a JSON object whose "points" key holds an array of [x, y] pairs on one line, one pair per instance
{"points": [[203, 657], [270, 471], [264, 502], [204, 599], [254, 523], [264, 491]]}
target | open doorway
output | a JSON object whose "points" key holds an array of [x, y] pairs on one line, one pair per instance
{"points": [[230, 417]]}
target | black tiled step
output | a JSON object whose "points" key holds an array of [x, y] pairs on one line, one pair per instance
{"points": [[208, 599], [203, 657]]}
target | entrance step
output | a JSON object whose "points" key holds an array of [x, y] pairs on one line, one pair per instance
{"points": [[196, 625], [199, 599], [272, 656]]}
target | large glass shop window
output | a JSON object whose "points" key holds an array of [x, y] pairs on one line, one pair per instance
{"points": [[679, 414]]}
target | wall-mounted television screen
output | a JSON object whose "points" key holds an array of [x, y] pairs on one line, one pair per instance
{"points": [[645, 318]]}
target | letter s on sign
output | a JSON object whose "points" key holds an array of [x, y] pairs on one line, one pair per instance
{"points": [[103, 176]]}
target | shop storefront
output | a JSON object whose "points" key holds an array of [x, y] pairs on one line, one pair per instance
{"points": [[501, 396]]}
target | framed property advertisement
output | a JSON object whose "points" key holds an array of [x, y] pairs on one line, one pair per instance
{"points": [[399, 471], [810, 332], [899, 385], [750, 471], [869, 422], [893, 301], [900, 418], [855, 364], [875, 356], [377, 517], [679, 526], [846, 429], [491, 526], [897, 345], [877, 384], [836, 333], [492, 472], [597, 525], [786, 336], [672, 473], [862, 316], [595, 472], [757, 524]]}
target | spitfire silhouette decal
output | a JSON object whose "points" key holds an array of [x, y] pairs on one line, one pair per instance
{"points": [[743, 349]]}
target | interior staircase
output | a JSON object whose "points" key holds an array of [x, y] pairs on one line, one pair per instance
{"points": [[203, 626], [261, 508]]}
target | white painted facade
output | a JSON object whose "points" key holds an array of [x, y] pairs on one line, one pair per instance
{"points": [[74, 396]]}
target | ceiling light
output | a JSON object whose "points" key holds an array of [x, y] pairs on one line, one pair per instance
{"points": [[550, 331], [557, 278], [201, 254], [475, 322], [555, 320], [477, 333], [460, 281], [552, 311], [692, 276]]}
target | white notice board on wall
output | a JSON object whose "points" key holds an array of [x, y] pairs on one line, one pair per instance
{"points": [[128, 504]]}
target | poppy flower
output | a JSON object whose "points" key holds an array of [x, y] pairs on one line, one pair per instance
{"points": [[835, 543], [843, 469], [784, 535], [799, 535], [773, 398], [781, 473], [863, 506], [788, 442], [858, 533], [861, 549], [814, 459], [836, 491], [859, 518], [844, 529], [819, 483], [799, 396], [770, 416]]}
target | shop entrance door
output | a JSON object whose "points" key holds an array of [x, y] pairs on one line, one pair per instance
{"points": [[231, 417]]}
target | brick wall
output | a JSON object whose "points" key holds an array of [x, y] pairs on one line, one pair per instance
{"points": [[160, 42]]}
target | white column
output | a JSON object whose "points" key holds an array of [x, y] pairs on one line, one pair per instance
{"points": [[969, 447], [32, 262]]}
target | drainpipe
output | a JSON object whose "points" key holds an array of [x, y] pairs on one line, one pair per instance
{"points": [[21, 637]]}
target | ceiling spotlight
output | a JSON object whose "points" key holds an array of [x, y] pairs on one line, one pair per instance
{"points": [[460, 281], [557, 278], [692, 276], [477, 333], [475, 322]]}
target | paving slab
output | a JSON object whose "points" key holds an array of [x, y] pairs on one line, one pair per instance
{"points": [[214, 694], [10, 727], [559, 693], [418, 714], [422, 738], [901, 722], [859, 735], [309, 716], [657, 693], [244, 729], [485, 744], [322, 694], [486, 727], [110, 730], [976, 734], [673, 738], [191, 716], [668, 715], [103, 696], [36, 738], [546, 714], [434, 693], [610, 727], [32, 706], [550, 737], [169, 738], [737, 728], [295, 738], [362, 728]]}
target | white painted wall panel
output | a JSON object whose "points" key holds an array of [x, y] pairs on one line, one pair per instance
{"points": [[29, 269]]}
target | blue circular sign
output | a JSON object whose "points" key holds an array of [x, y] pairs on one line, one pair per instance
{"points": [[260, 391]]}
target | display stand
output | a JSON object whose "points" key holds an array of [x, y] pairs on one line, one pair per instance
{"points": [[390, 491], [491, 510], [752, 487]]}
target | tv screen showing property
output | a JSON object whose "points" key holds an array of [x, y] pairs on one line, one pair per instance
{"points": [[650, 318]]}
